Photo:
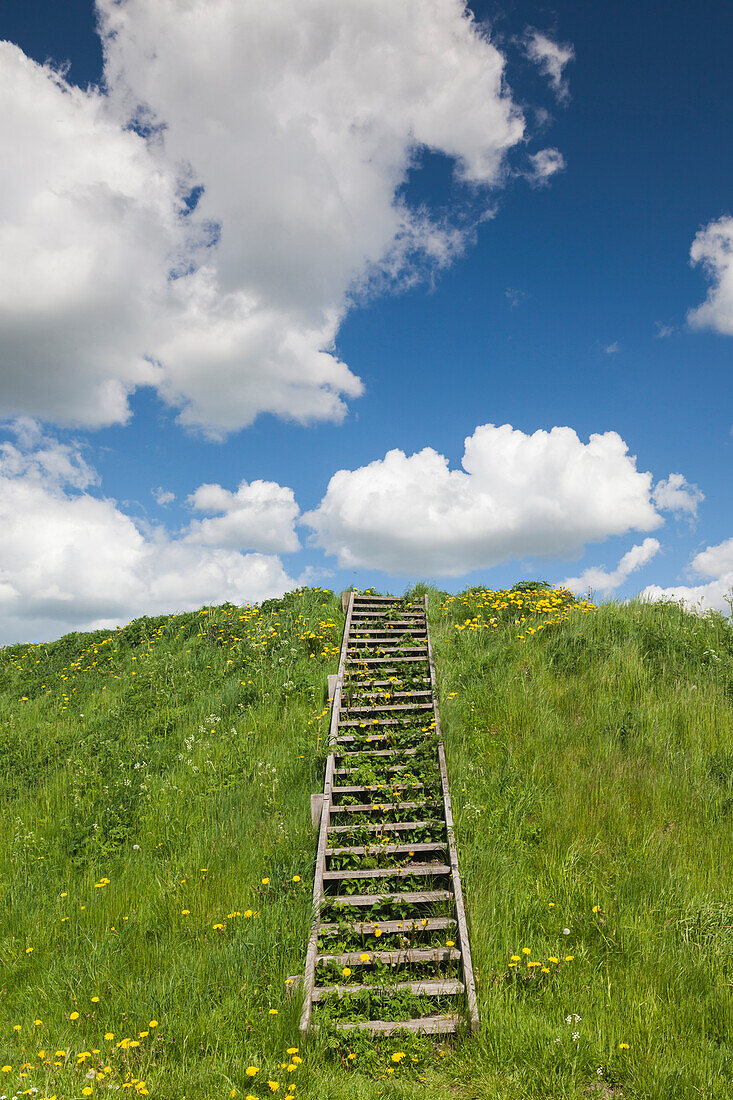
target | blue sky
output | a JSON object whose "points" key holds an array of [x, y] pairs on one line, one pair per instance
{"points": [[540, 301]]}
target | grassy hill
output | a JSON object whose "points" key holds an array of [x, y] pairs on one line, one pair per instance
{"points": [[155, 875]]}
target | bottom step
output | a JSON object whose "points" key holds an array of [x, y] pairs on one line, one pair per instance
{"points": [[426, 1025]]}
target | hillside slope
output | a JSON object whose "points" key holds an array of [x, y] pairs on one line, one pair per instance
{"points": [[156, 874]]}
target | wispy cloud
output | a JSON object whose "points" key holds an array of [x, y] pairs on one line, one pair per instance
{"points": [[551, 58], [598, 579]]}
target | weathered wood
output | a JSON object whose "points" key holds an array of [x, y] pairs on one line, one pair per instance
{"points": [[398, 957], [419, 870], [373, 752], [385, 827], [370, 807], [390, 849], [446, 988], [392, 707], [391, 660], [310, 960], [399, 718], [377, 787], [423, 1025], [404, 721], [410, 897], [471, 1003], [368, 927]]}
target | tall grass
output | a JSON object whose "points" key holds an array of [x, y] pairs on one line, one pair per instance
{"points": [[591, 769]]}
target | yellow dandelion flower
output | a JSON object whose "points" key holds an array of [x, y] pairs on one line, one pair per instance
{"points": [[153, 1023], [526, 950], [265, 881], [569, 958], [364, 957], [273, 1012], [623, 1046], [110, 1035], [252, 1071], [74, 1016], [346, 972], [296, 878]]}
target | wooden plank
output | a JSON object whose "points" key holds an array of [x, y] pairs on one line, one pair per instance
{"points": [[403, 721], [369, 807], [390, 849], [446, 988], [406, 709], [378, 787], [419, 870], [368, 927], [347, 771], [310, 959], [393, 694], [390, 660], [394, 958], [471, 1003], [373, 752], [410, 897], [386, 827], [423, 1025]]}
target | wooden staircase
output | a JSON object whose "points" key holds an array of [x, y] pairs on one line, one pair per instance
{"points": [[388, 948]]}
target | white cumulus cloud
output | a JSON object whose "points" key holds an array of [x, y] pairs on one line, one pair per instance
{"points": [[714, 566], [294, 125], [551, 58], [600, 580], [518, 495], [713, 250], [259, 516], [70, 560], [675, 494]]}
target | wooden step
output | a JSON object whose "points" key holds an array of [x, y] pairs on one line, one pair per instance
{"points": [[393, 958], [400, 708], [387, 827], [391, 660], [368, 684], [372, 752], [403, 720], [446, 988], [377, 787], [383, 647], [373, 735], [367, 927], [346, 695], [423, 1025], [419, 870], [374, 807], [390, 849], [410, 897], [388, 777]]}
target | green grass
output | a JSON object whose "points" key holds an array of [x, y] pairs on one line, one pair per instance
{"points": [[591, 765]]}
